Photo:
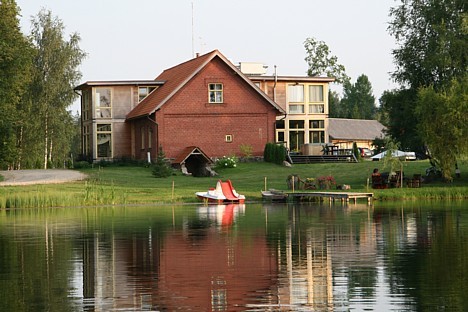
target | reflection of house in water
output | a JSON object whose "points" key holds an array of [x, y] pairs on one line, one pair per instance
{"points": [[199, 267], [317, 264]]}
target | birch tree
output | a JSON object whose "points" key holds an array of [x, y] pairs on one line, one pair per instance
{"points": [[55, 74]]}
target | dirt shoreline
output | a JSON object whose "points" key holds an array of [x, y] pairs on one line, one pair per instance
{"points": [[40, 176]]}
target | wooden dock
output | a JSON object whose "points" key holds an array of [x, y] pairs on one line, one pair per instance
{"points": [[344, 197]]}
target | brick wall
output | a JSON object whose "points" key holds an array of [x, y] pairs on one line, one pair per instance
{"points": [[188, 119]]}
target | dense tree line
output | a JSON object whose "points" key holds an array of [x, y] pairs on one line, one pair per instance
{"points": [[431, 107], [37, 75]]}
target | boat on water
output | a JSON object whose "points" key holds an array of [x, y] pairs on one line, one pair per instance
{"points": [[224, 192], [274, 195]]}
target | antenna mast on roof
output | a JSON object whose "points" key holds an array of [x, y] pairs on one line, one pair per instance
{"points": [[193, 36]]}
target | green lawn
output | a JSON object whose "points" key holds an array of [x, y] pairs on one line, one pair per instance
{"points": [[136, 185]]}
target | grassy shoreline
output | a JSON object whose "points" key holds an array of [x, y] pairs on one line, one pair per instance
{"points": [[121, 185]]}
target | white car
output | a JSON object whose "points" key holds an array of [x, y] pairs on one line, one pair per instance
{"points": [[396, 153]]}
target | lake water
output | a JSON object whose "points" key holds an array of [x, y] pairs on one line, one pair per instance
{"points": [[252, 257]]}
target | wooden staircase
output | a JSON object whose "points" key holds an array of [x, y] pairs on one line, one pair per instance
{"points": [[311, 159]]}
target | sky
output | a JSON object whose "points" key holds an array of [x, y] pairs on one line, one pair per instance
{"points": [[137, 40]]}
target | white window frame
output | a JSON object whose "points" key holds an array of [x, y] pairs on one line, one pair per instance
{"points": [[215, 94]]}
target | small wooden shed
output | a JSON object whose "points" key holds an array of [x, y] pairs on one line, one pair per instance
{"points": [[193, 161]]}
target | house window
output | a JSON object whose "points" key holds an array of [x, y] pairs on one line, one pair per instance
{"points": [[317, 124], [296, 108], [280, 136], [315, 93], [280, 124], [215, 93], [296, 135], [143, 92], [296, 93], [142, 137], [150, 137], [104, 140], [103, 102], [86, 140], [86, 105], [316, 108], [228, 138], [317, 136]]}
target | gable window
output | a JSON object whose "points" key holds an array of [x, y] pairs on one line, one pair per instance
{"points": [[103, 102], [143, 92], [215, 93], [228, 138]]}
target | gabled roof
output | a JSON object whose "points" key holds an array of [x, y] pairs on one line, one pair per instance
{"points": [[354, 129], [189, 151], [177, 77]]}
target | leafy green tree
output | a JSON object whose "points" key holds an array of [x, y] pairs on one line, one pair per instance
{"points": [[432, 38], [15, 66], [443, 123], [320, 61], [402, 123], [55, 74], [358, 101]]}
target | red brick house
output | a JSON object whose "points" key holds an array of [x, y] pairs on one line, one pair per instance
{"points": [[205, 102]]}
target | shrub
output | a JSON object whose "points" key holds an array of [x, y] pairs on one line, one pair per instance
{"points": [[227, 162], [246, 150], [161, 169], [275, 153]]}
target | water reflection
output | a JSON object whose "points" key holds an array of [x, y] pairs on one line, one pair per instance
{"points": [[234, 258]]}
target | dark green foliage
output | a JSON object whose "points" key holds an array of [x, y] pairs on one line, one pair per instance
{"points": [[402, 122], [378, 145], [15, 67], [275, 153], [358, 101], [356, 152], [161, 169], [443, 123], [432, 42]]}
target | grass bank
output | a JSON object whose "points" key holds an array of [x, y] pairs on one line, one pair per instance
{"points": [[121, 185]]}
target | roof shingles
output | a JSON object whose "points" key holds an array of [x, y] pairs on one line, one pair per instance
{"points": [[354, 129]]}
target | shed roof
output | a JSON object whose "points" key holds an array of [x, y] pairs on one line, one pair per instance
{"points": [[354, 129], [119, 83], [191, 150], [176, 77]]}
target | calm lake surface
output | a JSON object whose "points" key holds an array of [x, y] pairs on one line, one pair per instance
{"points": [[252, 257]]}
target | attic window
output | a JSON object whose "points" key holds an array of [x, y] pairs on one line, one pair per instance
{"points": [[215, 93], [228, 138]]}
